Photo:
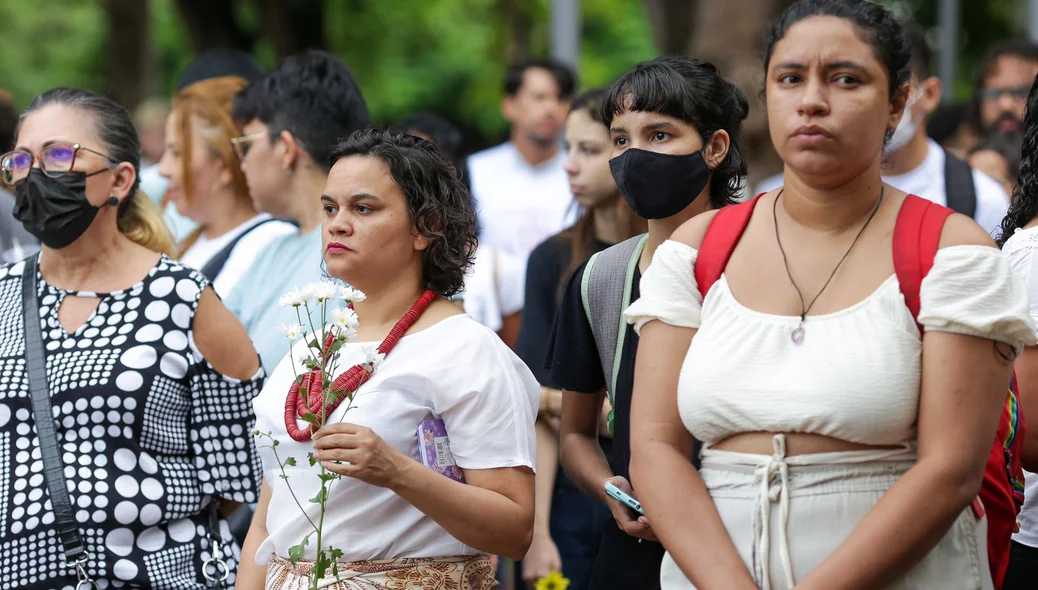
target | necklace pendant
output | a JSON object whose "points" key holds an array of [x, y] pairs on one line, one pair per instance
{"points": [[798, 335]]}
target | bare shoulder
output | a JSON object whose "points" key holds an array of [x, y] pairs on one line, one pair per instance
{"points": [[692, 231], [960, 230], [222, 339]]}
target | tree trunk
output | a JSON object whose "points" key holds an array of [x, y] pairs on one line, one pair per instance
{"points": [[671, 22], [294, 25], [129, 67], [213, 23], [518, 28]]}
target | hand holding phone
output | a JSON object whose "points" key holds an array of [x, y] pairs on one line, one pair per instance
{"points": [[620, 495]]}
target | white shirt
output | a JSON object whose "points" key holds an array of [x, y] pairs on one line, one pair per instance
{"points": [[856, 375], [456, 370], [519, 205], [494, 287], [243, 254], [1020, 249], [927, 181]]}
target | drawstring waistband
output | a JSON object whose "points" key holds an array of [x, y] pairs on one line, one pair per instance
{"points": [[771, 473]]}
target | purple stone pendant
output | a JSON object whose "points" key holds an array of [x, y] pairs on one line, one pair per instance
{"points": [[798, 335]]}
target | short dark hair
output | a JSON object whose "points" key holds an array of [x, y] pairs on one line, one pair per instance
{"points": [[217, 63], [1021, 48], [8, 122], [921, 55], [694, 91], [591, 102], [1007, 145], [313, 96], [437, 201], [442, 132], [875, 25], [564, 76]]}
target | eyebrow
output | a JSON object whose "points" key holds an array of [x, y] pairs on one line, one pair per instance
{"points": [[617, 130], [829, 65], [352, 198]]}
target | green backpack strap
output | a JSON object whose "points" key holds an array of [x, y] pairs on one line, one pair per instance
{"points": [[605, 291]]}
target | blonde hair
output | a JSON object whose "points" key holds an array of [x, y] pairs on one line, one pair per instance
{"points": [[137, 219], [140, 220], [209, 102]]}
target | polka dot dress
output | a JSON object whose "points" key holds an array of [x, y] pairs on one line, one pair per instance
{"points": [[150, 434]]}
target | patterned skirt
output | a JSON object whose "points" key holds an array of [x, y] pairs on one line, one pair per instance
{"points": [[458, 572]]}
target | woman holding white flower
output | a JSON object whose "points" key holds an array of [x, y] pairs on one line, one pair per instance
{"points": [[399, 226]]}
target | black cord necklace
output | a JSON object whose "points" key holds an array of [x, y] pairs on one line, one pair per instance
{"points": [[798, 333]]}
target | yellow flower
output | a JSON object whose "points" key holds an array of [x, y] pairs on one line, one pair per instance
{"points": [[553, 581]]}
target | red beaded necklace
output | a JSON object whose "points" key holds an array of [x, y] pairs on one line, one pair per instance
{"points": [[348, 382]]}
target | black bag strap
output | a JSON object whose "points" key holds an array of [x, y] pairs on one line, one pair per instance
{"points": [[958, 185], [217, 262], [215, 569], [72, 547]]}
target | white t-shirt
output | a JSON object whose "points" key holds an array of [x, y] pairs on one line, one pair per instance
{"points": [[244, 252], [456, 370], [519, 205], [494, 287], [927, 181], [1020, 249]]}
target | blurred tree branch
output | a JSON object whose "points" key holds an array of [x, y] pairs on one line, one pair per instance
{"points": [[129, 63]]}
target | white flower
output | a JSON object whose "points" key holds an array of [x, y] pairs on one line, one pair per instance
{"points": [[293, 298], [351, 295], [347, 334], [373, 360], [323, 291], [344, 317], [291, 331]]}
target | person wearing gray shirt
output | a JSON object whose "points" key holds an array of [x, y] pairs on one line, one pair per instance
{"points": [[15, 242]]}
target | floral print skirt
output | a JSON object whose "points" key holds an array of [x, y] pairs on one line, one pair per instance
{"points": [[457, 572]]}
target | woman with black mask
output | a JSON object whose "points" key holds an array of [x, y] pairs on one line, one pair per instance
{"points": [[125, 395], [674, 126]]}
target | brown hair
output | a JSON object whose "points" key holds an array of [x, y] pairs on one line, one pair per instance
{"points": [[209, 102], [582, 234]]}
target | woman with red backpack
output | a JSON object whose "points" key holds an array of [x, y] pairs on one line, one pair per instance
{"points": [[842, 350]]}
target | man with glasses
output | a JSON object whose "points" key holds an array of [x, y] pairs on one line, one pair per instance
{"points": [[290, 120], [1000, 91]]}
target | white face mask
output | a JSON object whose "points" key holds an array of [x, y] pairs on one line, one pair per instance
{"points": [[906, 127]]}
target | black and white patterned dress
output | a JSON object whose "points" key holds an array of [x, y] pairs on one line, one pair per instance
{"points": [[150, 433]]}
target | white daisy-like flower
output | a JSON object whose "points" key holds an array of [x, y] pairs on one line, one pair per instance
{"points": [[294, 298], [347, 334], [291, 331], [373, 359], [345, 317], [351, 295], [324, 291]]}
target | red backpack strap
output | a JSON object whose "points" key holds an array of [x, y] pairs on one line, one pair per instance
{"points": [[720, 240], [917, 234]]}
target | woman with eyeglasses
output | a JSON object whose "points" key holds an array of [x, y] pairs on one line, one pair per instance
{"points": [[143, 379], [207, 185]]}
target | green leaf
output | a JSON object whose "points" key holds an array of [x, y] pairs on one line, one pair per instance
{"points": [[312, 419], [283, 476], [326, 477], [295, 552], [336, 554], [275, 442], [321, 565], [321, 496], [290, 462], [313, 460]]}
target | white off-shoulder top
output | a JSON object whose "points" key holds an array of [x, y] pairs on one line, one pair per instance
{"points": [[855, 377]]}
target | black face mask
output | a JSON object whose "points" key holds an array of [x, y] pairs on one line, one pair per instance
{"points": [[54, 210], [657, 186]]}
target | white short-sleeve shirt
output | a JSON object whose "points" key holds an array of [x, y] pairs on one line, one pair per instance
{"points": [[457, 370]]}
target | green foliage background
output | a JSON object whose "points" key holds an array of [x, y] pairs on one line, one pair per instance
{"points": [[447, 56]]}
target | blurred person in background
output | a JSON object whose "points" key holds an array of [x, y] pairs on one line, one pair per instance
{"points": [[520, 187], [207, 185], [1000, 90], [290, 120], [568, 524], [947, 126], [148, 376], [15, 242], [493, 292], [918, 165], [150, 119], [998, 156]]}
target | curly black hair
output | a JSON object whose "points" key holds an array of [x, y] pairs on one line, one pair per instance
{"points": [[437, 201], [1024, 204]]}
